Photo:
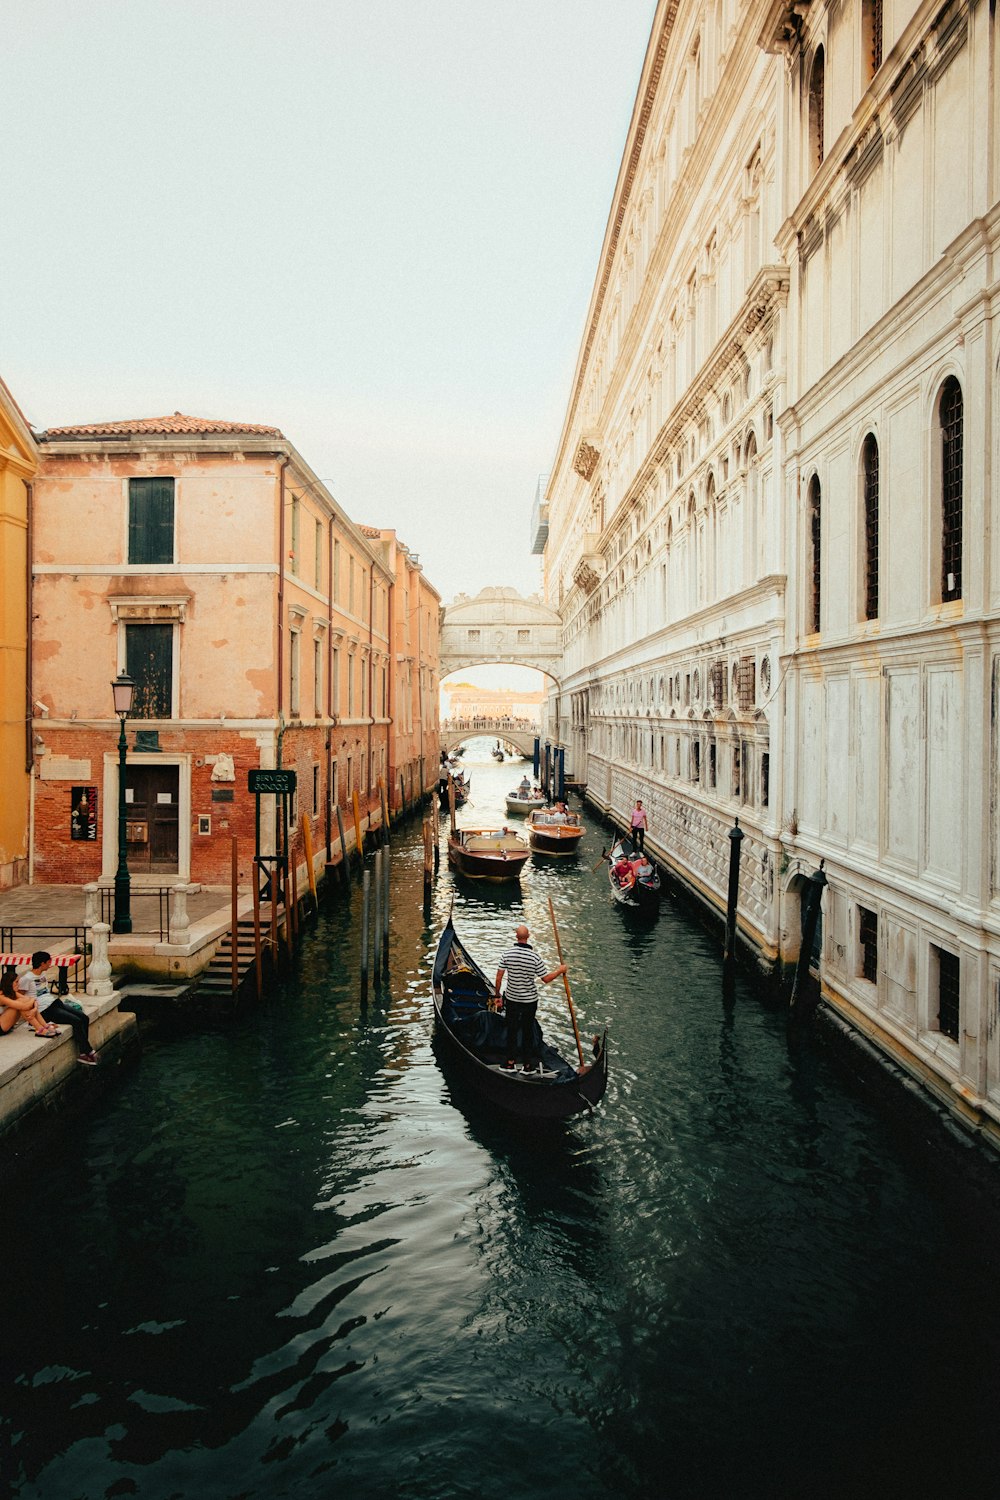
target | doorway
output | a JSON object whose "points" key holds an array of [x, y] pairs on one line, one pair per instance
{"points": [[152, 804]]}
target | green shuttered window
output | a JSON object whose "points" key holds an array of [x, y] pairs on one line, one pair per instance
{"points": [[151, 520], [149, 659]]}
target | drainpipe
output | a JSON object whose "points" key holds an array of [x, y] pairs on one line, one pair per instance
{"points": [[371, 669], [29, 585], [29, 706], [329, 691], [390, 707], [281, 604], [420, 681]]}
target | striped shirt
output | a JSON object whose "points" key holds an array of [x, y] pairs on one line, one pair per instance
{"points": [[521, 965]]}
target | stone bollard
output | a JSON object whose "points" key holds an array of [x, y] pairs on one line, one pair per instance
{"points": [[92, 906], [99, 971], [178, 930]]}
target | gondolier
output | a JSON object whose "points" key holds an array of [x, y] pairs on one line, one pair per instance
{"points": [[640, 822], [523, 967]]}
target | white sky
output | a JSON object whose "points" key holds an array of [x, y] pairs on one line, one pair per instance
{"points": [[372, 223]]}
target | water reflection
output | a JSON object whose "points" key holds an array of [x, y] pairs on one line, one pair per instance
{"points": [[292, 1256]]}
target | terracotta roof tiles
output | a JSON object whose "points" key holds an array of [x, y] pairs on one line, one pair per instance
{"points": [[160, 426]]}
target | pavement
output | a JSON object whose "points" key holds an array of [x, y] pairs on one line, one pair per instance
{"points": [[41, 907]]}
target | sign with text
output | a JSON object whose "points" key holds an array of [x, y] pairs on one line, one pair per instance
{"points": [[271, 781]]}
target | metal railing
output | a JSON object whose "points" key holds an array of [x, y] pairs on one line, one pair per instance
{"points": [[144, 892], [28, 940]]}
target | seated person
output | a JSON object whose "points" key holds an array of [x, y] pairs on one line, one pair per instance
{"points": [[623, 870], [16, 1007], [524, 787]]}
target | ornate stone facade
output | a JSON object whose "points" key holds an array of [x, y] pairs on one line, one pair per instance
{"points": [[770, 536]]}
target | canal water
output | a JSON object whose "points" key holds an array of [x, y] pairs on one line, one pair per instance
{"points": [[286, 1256]]}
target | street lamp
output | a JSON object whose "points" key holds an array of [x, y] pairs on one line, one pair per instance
{"points": [[122, 691]]}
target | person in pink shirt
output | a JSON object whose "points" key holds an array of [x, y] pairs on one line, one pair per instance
{"points": [[640, 823]]}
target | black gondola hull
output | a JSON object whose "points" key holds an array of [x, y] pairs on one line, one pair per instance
{"points": [[523, 1095]]}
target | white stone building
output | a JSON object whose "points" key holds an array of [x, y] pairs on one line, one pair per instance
{"points": [[777, 442]]}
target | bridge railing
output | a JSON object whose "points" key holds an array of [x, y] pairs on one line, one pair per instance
{"points": [[488, 726]]}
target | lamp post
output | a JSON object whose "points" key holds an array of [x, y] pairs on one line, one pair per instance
{"points": [[122, 691]]}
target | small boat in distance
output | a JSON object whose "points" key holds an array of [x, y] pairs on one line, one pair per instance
{"points": [[474, 1036], [551, 832], [487, 853], [521, 802], [634, 879]]}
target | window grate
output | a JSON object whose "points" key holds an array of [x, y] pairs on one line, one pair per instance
{"points": [[868, 942], [871, 527], [746, 682], [951, 412], [876, 37], [949, 985]]}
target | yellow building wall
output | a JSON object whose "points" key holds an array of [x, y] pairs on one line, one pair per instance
{"points": [[18, 460]]}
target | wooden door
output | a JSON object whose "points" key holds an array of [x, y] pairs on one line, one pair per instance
{"points": [[151, 816]]}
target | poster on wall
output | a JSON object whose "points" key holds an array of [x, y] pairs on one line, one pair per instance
{"points": [[83, 818]]}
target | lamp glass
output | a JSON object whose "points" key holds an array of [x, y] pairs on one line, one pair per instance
{"points": [[123, 691]]}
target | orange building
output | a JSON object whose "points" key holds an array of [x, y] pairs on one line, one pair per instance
{"points": [[207, 560], [18, 460], [416, 668]]}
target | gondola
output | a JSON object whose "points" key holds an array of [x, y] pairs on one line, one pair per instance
{"points": [[475, 1038], [632, 875], [550, 833], [487, 853]]}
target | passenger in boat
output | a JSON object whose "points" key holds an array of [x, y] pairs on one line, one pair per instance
{"points": [[559, 815], [524, 787], [523, 966], [623, 871]]}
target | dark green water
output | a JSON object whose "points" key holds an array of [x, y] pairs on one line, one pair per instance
{"points": [[284, 1259]]}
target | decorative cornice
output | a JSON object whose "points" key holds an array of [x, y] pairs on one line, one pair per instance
{"points": [[585, 575], [627, 175], [586, 459]]}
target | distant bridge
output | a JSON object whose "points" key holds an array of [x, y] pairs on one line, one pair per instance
{"points": [[500, 625], [508, 731]]}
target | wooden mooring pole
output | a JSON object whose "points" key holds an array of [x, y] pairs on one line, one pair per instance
{"points": [[257, 946], [358, 836], [345, 868], [310, 870], [736, 836], [378, 911], [799, 1005], [365, 898], [385, 909], [428, 859], [235, 934]]}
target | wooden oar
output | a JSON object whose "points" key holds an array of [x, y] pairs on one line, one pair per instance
{"points": [[601, 861], [569, 997]]}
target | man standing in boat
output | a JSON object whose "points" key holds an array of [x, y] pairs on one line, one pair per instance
{"points": [[640, 822], [523, 967]]}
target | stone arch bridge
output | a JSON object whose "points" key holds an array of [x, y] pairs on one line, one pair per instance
{"points": [[501, 625], [454, 731]]}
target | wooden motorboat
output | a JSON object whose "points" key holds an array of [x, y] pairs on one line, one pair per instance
{"points": [[554, 833], [487, 853], [518, 803], [475, 1038], [632, 875]]}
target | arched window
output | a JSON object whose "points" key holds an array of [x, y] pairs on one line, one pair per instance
{"points": [[816, 111], [815, 535], [869, 470], [871, 38], [950, 418]]}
